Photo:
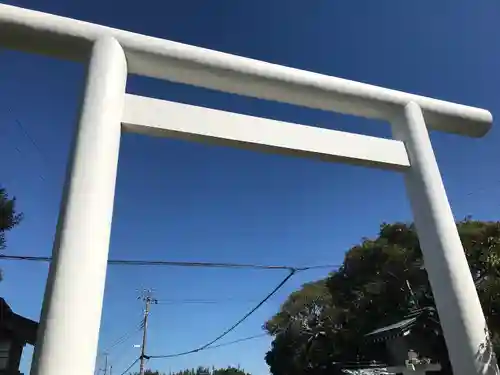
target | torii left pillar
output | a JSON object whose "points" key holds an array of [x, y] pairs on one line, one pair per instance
{"points": [[71, 313]]}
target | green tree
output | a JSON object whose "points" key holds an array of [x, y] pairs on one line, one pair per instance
{"points": [[9, 217], [202, 371], [303, 324], [150, 372], [229, 371], [380, 281]]}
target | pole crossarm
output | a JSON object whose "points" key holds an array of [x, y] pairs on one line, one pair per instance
{"points": [[62, 37]]}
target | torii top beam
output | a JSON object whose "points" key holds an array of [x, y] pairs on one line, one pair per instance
{"points": [[62, 37]]}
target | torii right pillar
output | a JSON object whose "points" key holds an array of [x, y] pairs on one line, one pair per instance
{"points": [[455, 294]]}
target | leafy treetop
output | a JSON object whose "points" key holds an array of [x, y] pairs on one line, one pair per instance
{"points": [[9, 217], [320, 328], [202, 371]]}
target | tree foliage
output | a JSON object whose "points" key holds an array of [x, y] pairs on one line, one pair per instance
{"points": [[202, 371], [9, 217], [229, 371], [380, 281]]}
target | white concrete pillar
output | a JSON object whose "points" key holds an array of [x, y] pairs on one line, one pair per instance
{"points": [[71, 313], [456, 298]]}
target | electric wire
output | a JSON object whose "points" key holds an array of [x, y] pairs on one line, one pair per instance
{"points": [[230, 329], [129, 262], [28, 136], [243, 339], [291, 272], [129, 367], [121, 356], [203, 301], [124, 337], [25, 132]]}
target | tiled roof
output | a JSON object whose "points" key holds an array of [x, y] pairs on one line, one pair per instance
{"points": [[24, 328], [399, 328], [391, 331]]}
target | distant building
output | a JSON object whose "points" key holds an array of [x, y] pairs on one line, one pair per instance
{"points": [[15, 332], [407, 345]]}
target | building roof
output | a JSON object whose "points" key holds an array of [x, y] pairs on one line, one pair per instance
{"points": [[20, 327], [400, 328]]}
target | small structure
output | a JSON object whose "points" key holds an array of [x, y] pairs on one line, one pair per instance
{"points": [[407, 346], [15, 332]]}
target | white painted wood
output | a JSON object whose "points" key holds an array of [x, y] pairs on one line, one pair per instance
{"points": [[63, 37], [169, 119], [71, 313]]}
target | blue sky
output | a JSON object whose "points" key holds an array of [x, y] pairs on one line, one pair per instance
{"points": [[185, 201]]}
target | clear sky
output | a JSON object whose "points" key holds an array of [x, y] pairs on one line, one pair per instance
{"points": [[185, 201]]}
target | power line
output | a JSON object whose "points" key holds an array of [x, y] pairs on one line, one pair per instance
{"points": [[227, 331], [127, 262], [29, 137], [198, 301], [120, 356], [292, 271], [38, 149], [129, 367], [203, 301], [237, 341], [229, 343], [32, 141], [124, 337]]}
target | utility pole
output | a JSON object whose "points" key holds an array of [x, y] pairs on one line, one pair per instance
{"points": [[148, 300], [105, 363]]}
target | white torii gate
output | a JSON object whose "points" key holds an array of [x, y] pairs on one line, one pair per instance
{"points": [[71, 313]]}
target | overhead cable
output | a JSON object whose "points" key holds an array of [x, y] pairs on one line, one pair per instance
{"points": [[243, 339], [123, 338], [129, 367], [230, 329], [27, 135], [128, 262], [184, 301]]}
